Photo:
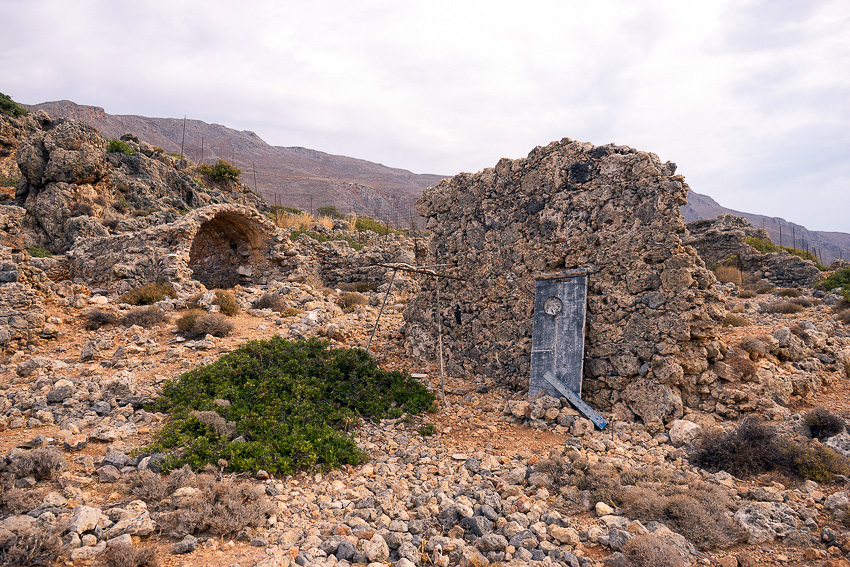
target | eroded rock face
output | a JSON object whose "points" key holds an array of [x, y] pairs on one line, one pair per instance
{"points": [[652, 308], [718, 240]]}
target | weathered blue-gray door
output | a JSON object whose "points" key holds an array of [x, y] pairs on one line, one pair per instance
{"points": [[557, 345]]}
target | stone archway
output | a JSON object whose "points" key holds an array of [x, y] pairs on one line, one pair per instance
{"points": [[224, 251]]}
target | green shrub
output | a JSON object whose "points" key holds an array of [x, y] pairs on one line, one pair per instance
{"points": [[367, 223], [10, 107], [280, 209], [838, 281], [291, 312], [349, 300], [292, 403], [734, 320], [295, 234], [120, 146], [145, 317], [39, 252], [149, 294], [226, 301], [330, 211], [221, 171], [822, 423], [427, 429]]}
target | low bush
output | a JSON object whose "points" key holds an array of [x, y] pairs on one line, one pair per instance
{"points": [[822, 423], [291, 312], [844, 316], [39, 252], [123, 555], [753, 448], [226, 301], [145, 317], [349, 300], [766, 246], [121, 147], [366, 223], [151, 488], [97, 318], [329, 211], [804, 302], [273, 301], [43, 464], [34, 546], [789, 292], [10, 107], [782, 307], [362, 287], [292, 403], [754, 347], [649, 550], [742, 364], [728, 274], [149, 294], [747, 294], [187, 321], [213, 324], [427, 429], [733, 320], [839, 279], [222, 170], [766, 288]]}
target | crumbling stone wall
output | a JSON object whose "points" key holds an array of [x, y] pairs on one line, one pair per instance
{"points": [[22, 316], [718, 239], [652, 308], [218, 245]]}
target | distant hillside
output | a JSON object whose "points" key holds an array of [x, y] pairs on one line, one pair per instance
{"points": [[296, 177], [828, 245]]}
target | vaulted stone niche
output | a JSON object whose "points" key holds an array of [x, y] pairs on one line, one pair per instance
{"points": [[224, 251]]}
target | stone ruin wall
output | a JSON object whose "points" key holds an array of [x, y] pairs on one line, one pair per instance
{"points": [[716, 240], [652, 307]]}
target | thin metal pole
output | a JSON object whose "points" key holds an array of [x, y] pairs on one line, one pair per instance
{"points": [[440, 343], [183, 141], [369, 344]]}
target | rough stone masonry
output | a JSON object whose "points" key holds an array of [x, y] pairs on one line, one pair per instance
{"points": [[652, 307]]}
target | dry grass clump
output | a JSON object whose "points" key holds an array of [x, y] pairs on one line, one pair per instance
{"points": [[149, 294], [220, 507], [289, 220], [128, 556], [753, 448], [822, 423], [327, 222], [43, 464], [349, 300], [291, 312], [20, 501], [97, 318], [145, 317], [844, 316], [273, 301], [735, 320], [746, 294], [728, 274], [648, 550], [151, 488], [198, 323], [789, 292], [765, 288], [805, 302], [226, 302], [783, 307], [32, 547]]}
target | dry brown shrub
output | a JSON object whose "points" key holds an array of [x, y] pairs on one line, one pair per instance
{"points": [[187, 321], [20, 501], [844, 316], [273, 301], [348, 301], [734, 320], [221, 507], [648, 550], [291, 312], [147, 486], [32, 547], [129, 556], [212, 324], [789, 292], [213, 420], [145, 317], [226, 302], [782, 307], [728, 274], [746, 294], [97, 318], [43, 464]]}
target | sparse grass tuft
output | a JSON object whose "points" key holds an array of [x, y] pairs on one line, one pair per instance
{"points": [[149, 294], [145, 317]]}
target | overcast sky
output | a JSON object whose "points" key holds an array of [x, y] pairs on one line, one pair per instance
{"points": [[750, 99]]}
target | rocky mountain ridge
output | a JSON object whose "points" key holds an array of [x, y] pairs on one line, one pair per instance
{"points": [[291, 176]]}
